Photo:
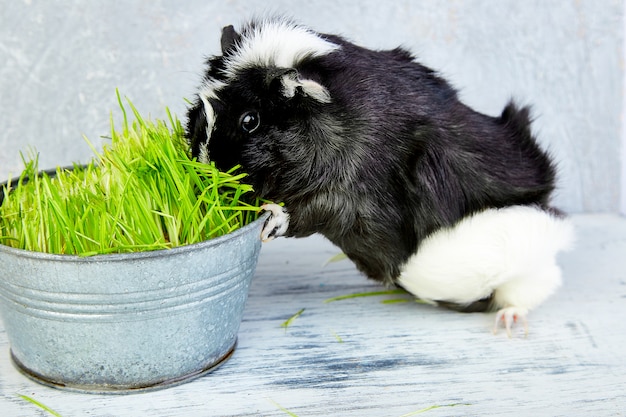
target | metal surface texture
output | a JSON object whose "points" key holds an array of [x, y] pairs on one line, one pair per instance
{"points": [[113, 323]]}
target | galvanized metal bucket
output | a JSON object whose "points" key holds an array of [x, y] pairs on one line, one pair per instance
{"points": [[127, 322]]}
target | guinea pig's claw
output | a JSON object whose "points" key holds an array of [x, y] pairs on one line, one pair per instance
{"points": [[276, 225], [509, 316]]}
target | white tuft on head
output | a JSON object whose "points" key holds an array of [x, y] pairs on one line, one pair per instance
{"points": [[276, 42], [269, 43]]}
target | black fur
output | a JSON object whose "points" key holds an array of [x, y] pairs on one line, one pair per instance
{"points": [[391, 158]]}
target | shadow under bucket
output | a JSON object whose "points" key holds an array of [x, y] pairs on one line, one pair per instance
{"points": [[128, 322]]}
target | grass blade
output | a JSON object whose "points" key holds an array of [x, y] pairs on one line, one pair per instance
{"points": [[283, 409], [365, 294], [432, 407], [40, 405], [141, 192], [336, 258], [290, 320]]}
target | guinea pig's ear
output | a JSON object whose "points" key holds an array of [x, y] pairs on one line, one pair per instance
{"points": [[230, 38], [287, 83]]}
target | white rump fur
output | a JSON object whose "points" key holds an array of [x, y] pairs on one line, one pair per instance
{"points": [[510, 252]]}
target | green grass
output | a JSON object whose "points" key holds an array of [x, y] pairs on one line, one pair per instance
{"points": [[290, 320], [40, 405], [432, 407], [423, 410], [365, 294], [141, 192]]}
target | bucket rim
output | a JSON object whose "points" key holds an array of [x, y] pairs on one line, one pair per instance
{"points": [[126, 256]]}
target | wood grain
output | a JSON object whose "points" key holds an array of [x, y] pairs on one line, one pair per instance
{"points": [[365, 357]]}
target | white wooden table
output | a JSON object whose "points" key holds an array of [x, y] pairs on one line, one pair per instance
{"points": [[366, 357]]}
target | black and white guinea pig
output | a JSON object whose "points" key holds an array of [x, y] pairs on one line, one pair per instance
{"points": [[376, 152]]}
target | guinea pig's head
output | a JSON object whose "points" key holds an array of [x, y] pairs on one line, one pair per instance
{"points": [[261, 102]]}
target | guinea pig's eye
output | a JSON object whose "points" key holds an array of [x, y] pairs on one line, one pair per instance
{"points": [[250, 121]]}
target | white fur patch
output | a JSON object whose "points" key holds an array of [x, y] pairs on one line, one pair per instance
{"points": [[203, 154], [510, 252], [290, 84], [309, 87], [315, 90], [279, 43], [207, 92]]}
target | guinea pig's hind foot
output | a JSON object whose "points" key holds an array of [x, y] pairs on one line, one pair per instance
{"points": [[276, 225], [510, 316]]}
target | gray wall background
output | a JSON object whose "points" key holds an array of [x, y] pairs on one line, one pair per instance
{"points": [[60, 62]]}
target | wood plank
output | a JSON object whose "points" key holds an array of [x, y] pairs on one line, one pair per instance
{"points": [[365, 357]]}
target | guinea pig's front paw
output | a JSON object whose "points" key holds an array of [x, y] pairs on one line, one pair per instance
{"points": [[277, 224]]}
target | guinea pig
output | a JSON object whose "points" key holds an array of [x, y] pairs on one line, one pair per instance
{"points": [[376, 152]]}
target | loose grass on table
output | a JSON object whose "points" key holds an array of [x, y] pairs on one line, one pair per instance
{"points": [[141, 192], [290, 320]]}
